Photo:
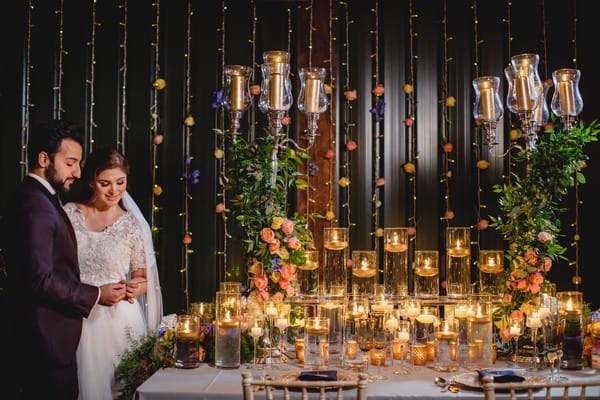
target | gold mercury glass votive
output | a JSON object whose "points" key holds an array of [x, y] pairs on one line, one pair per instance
{"points": [[351, 349], [299, 347], [399, 350], [419, 354]]}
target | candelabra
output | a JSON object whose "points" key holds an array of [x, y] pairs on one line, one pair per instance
{"points": [[488, 106]]}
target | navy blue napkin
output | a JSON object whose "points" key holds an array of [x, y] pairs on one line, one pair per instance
{"points": [[318, 376], [502, 376]]}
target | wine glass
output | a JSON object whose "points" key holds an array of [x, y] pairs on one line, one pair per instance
{"points": [[256, 329], [282, 322], [515, 331], [412, 308], [534, 322], [364, 337], [400, 338], [378, 344]]}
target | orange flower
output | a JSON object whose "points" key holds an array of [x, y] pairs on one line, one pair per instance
{"points": [[351, 95], [255, 89], [285, 121], [287, 226], [274, 245], [378, 90], [267, 235]]}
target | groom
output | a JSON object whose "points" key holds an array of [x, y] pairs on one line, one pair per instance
{"points": [[46, 296]]}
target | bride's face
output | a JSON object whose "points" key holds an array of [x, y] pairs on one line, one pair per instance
{"points": [[109, 186]]}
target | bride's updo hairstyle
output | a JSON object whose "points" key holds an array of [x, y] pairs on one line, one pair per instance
{"points": [[99, 160]]}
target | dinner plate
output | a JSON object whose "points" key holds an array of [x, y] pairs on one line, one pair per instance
{"points": [[292, 377], [470, 380]]}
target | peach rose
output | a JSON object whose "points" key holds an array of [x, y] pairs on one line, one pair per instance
{"points": [[409, 121], [220, 208], [544, 237], [534, 288], [516, 315], [530, 256], [522, 285], [505, 334], [351, 145], [483, 224], [287, 272], [267, 235], [380, 182], [351, 95], [277, 297], [449, 215], [274, 245], [287, 286], [378, 90], [536, 278], [286, 120], [293, 243], [546, 264], [158, 139], [264, 293], [507, 298], [261, 282], [287, 226], [255, 89]]}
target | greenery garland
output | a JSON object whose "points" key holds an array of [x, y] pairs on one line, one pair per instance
{"points": [[530, 210]]}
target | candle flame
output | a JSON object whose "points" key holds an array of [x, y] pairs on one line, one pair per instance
{"points": [[395, 238], [570, 305], [491, 261], [364, 264]]}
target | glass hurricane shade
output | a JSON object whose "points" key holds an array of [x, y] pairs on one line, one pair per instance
{"points": [[522, 94], [236, 93], [531, 62], [312, 97], [276, 88], [566, 101], [488, 105]]}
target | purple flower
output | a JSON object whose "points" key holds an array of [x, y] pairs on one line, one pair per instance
{"points": [[162, 330], [209, 330], [378, 110], [192, 177], [313, 169], [217, 101]]}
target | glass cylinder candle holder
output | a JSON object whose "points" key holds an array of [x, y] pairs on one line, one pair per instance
{"points": [[570, 310], [230, 287], [395, 261], [276, 90], [491, 272], [461, 312], [227, 330], [204, 311], [187, 345], [488, 107], [425, 323], [566, 101], [312, 99], [307, 275], [332, 309], [335, 272], [236, 93], [427, 277], [299, 349], [458, 263], [316, 335], [364, 271], [479, 331], [445, 337]]}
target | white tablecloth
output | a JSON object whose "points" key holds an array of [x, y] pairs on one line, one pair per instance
{"points": [[209, 383]]}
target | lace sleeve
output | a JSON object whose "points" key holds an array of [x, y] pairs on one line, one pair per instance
{"points": [[138, 258]]}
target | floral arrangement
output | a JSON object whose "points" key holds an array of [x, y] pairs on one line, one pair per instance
{"points": [[530, 209], [274, 240]]}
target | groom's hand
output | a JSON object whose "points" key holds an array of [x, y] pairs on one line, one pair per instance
{"points": [[111, 294]]}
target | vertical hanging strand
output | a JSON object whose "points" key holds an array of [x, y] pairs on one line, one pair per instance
{"points": [[122, 127], [156, 137], [89, 143], [310, 34], [252, 108], [409, 89], [447, 140], [509, 40], [220, 122], [477, 142], [332, 114], [26, 105], [187, 158], [576, 237], [377, 111], [350, 144], [58, 69]]}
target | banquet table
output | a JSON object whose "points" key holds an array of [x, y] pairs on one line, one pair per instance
{"points": [[210, 383]]}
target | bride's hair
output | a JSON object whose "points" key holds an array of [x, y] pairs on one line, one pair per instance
{"points": [[99, 160]]}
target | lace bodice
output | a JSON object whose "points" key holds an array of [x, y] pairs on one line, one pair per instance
{"points": [[107, 256]]}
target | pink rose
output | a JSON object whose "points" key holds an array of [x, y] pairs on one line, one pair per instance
{"points": [[351, 145], [522, 285], [546, 264], [277, 297], [378, 90], [287, 226], [287, 272], [285, 121], [287, 286], [449, 215], [255, 89], [483, 224], [530, 256], [534, 288], [544, 236], [507, 298], [220, 208], [411, 231], [351, 95], [267, 235], [536, 278], [516, 315], [505, 334], [274, 245], [264, 293], [260, 282], [293, 243], [380, 182]]}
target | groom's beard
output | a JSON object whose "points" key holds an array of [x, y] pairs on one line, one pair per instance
{"points": [[58, 185]]}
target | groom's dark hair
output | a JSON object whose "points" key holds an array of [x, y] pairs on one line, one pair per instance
{"points": [[47, 137]]}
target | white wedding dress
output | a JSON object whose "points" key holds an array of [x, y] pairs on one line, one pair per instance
{"points": [[106, 257]]}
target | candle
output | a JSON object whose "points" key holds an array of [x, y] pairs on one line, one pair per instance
{"points": [[351, 349], [419, 354], [271, 310], [365, 270], [311, 96], [282, 323], [256, 332], [515, 330], [335, 243], [426, 269], [412, 311], [399, 349], [393, 244], [382, 306], [522, 91], [237, 91], [488, 106], [458, 250], [391, 324], [566, 96], [299, 347], [534, 321], [426, 318], [544, 312], [403, 336]]}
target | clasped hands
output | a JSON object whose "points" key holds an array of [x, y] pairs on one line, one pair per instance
{"points": [[112, 293]]}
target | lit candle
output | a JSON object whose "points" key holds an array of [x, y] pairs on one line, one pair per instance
{"points": [[461, 311], [282, 323], [403, 336], [522, 90], [311, 96], [488, 106], [515, 330], [299, 347], [412, 311], [534, 321], [352, 349], [391, 324], [365, 270], [399, 350], [394, 245], [256, 331], [426, 318], [271, 310]]}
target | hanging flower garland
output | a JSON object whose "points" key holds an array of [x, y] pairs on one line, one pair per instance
{"points": [[123, 128], [58, 73], [26, 92]]}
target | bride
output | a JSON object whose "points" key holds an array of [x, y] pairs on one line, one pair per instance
{"points": [[114, 244]]}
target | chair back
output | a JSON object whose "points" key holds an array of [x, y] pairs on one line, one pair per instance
{"points": [[251, 385], [570, 389]]}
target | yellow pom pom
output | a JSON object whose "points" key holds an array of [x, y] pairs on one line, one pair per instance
{"points": [[379, 232], [189, 121], [450, 101], [218, 153], [409, 168], [157, 190], [514, 134], [344, 181], [160, 84], [328, 89], [483, 164], [408, 88], [329, 215]]}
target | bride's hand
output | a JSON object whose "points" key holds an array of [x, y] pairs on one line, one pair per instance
{"points": [[134, 288]]}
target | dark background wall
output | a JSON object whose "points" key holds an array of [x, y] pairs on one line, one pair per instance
{"points": [[271, 33]]}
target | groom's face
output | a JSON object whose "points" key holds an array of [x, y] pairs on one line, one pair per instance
{"points": [[64, 168]]}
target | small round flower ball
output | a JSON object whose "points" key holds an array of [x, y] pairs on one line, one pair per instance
{"points": [[380, 182], [189, 121], [255, 90], [448, 147], [187, 239], [344, 181], [483, 224], [329, 215], [576, 280], [449, 214], [219, 153], [379, 232], [159, 84], [450, 101], [409, 168], [410, 121], [157, 190], [351, 145], [411, 231], [408, 88], [285, 121], [351, 95], [158, 139], [328, 89], [483, 164], [378, 90], [329, 154], [514, 134]]}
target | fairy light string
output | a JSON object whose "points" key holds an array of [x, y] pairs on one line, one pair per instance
{"points": [[187, 158], [345, 167], [478, 131], [509, 41], [447, 122], [122, 127], [576, 280], [155, 137], [332, 110], [91, 83], [252, 108], [409, 90], [58, 71], [377, 110], [26, 105]]}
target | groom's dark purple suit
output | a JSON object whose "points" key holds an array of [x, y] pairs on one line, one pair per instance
{"points": [[49, 297]]}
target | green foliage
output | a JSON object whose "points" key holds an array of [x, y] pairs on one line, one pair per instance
{"points": [[530, 210]]}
